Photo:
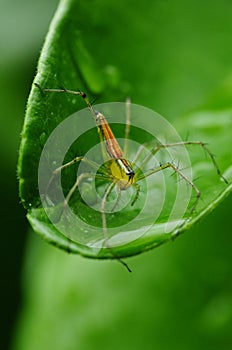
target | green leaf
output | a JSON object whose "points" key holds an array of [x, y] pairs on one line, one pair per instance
{"points": [[64, 62]]}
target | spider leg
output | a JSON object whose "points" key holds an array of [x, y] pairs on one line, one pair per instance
{"points": [[79, 178], [127, 126], [104, 225], [180, 173], [138, 153], [64, 166], [118, 199], [76, 184], [74, 187], [157, 148], [72, 190], [137, 187]]}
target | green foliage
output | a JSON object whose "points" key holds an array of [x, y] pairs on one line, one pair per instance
{"points": [[183, 289], [176, 59], [64, 64]]}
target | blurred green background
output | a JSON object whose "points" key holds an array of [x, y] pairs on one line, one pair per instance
{"points": [[174, 57]]}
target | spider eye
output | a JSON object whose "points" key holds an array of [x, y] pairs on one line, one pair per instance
{"points": [[130, 173]]}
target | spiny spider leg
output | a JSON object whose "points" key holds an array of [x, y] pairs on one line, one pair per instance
{"points": [[176, 170], [66, 165], [155, 149], [127, 127]]}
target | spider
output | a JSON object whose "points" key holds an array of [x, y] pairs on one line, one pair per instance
{"points": [[118, 170]]}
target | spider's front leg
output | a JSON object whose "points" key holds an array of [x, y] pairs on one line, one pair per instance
{"points": [[177, 171], [160, 146]]}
